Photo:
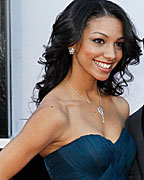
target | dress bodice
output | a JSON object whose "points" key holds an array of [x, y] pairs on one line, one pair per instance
{"points": [[92, 157]]}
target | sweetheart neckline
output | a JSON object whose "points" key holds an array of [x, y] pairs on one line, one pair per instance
{"points": [[89, 135]]}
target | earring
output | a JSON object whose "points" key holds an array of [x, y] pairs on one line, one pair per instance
{"points": [[71, 51]]}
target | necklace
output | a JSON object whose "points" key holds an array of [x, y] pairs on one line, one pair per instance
{"points": [[99, 109]]}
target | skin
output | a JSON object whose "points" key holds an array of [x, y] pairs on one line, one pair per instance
{"points": [[63, 116]]}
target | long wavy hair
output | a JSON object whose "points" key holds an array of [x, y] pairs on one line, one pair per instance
{"points": [[67, 30]]}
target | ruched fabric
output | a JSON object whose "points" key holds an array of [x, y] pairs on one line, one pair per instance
{"points": [[92, 157]]}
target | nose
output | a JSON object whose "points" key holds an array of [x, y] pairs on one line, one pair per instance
{"points": [[109, 52]]}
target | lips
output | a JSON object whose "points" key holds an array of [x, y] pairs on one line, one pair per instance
{"points": [[103, 65]]}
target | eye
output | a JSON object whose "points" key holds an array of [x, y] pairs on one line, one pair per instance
{"points": [[99, 41], [120, 45]]}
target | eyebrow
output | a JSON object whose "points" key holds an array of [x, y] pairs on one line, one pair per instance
{"points": [[106, 35]]}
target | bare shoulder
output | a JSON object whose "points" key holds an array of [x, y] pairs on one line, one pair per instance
{"points": [[52, 108], [122, 106], [46, 125], [51, 115]]}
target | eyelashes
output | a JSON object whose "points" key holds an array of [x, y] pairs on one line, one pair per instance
{"points": [[100, 41], [120, 44]]}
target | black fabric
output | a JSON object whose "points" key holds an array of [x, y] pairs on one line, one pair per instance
{"points": [[35, 169], [135, 125], [142, 121]]}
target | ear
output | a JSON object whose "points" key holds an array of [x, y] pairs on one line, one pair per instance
{"points": [[73, 46], [71, 49]]}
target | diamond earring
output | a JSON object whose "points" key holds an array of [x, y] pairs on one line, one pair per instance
{"points": [[71, 51]]}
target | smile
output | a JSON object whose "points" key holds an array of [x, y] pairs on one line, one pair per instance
{"points": [[103, 65]]}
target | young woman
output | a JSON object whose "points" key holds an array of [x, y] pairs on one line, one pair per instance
{"points": [[78, 126]]}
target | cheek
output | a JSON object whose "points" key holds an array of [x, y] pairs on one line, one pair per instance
{"points": [[119, 56], [90, 52], [86, 53]]}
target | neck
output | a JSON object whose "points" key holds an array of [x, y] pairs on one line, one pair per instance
{"points": [[88, 100], [84, 83], [83, 86], [86, 87]]}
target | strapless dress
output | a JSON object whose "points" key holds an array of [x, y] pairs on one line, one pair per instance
{"points": [[92, 157]]}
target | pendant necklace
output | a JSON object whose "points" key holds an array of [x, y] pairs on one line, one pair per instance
{"points": [[99, 109]]}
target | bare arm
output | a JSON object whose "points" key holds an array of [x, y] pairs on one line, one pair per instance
{"points": [[45, 126]]}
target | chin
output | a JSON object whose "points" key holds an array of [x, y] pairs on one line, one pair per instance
{"points": [[102, 78]]}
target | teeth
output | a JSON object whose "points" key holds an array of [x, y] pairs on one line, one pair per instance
{"points": [[103, 65]]}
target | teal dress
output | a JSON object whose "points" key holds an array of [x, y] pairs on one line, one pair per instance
{"points": [[92, 157]]}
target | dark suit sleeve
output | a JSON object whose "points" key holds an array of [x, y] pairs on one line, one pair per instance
{"points": [[135, 172], [134, 126]]}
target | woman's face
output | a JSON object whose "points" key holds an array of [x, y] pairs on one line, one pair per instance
{"points": [[100, 48]]}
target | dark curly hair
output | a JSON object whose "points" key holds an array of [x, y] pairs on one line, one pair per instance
{"points": [[68, 29]]}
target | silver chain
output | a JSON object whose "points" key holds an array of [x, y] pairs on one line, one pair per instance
{"points": [[99, 109]]}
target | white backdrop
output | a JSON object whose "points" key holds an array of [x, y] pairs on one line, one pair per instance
{"points": [[31, 22]]}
